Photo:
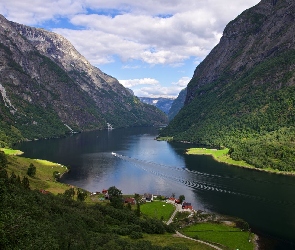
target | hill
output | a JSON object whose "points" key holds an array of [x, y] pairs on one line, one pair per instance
{"points": [[48, 89], [242, 95]]}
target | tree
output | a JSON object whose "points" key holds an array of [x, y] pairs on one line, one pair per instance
{"points": [[26, 183], [13, 178], [56, 175], [81, 194], [116, 197], [137, 199], [3, 174], [181, 198], [3, 160], [70, 193], [31, 170]]}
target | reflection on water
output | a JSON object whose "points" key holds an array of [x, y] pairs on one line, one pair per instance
{"points": [[142, 164]]}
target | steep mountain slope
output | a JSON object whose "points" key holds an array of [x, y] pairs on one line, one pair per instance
{"points": [[242, 95], [177, 104], [161, 103], [45, 83]]}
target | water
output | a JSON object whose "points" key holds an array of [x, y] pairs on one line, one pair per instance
{"points": [[144, 165]]}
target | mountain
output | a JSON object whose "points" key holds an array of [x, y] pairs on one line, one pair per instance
{"points": [[177, 104], [242, 96], [48, 89], [161, 103]]}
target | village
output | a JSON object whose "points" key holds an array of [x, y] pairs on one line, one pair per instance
{"points": [[180, 205], [147, 197]]}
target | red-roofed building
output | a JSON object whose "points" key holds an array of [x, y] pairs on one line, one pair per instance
{"points": [[44, 191], [186, 205], [130, 200]]}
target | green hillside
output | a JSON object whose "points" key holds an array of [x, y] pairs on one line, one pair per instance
{"points": [[251, 108]]}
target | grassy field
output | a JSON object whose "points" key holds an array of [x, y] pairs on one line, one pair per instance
{"points": [[171, 240], [223, 156], [44, 173], [164, 138], [231, 237], [219, 155], [10, 151], [157, 209]]}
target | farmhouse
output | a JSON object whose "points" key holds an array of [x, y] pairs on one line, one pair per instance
{"points": [[130, 200], [148, 197], [186, 205]]}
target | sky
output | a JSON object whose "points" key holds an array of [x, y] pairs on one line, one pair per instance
{"points": [[150, 46]]}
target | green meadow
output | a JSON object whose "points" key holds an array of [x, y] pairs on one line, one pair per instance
{"points": [[157, 209], [224, 235]]}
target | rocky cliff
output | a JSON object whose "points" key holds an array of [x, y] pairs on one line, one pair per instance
{"points": [[48, 87], [242, 95], [258, 34]]}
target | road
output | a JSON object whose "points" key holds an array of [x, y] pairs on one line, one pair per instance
{"points": [[178, 207]]}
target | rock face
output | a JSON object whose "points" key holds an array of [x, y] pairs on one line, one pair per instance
{"points": [[161, 103], [46, 83], [244, 89], [258, 34], [177, 104]]}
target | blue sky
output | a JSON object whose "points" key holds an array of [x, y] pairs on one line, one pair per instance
{"points": [[150, 46]]}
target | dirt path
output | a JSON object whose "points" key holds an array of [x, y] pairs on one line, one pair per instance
{"points": [[179, 208], [200, 241]]}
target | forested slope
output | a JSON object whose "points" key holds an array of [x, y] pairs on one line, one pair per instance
{"points": [[48, 87], [242, 96]]}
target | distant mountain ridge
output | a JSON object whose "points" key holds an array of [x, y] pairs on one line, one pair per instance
{"points": [[161, 103], [242, 95], [46, 86], [177, 104]]}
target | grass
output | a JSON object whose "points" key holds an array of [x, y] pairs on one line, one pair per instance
{"points": [[157, 209], [10, 151], [165, 138], [223, 156], [219, 155], [171, 240], [231, 237], [44, 173]]}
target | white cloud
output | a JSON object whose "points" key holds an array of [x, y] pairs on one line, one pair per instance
{"points": [[182, 82], [155, 32], [159, 91], [153, 88], [32, 12], [152, 40], [135, 82]]}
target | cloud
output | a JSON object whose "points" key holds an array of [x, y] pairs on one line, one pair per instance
{"points": [[152, 40], [149, 87], [182, 82], [32, 12], [135, 82], [159, 91], [155, 32]]}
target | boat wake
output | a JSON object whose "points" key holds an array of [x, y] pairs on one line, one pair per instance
{"points": [[194, 179]]}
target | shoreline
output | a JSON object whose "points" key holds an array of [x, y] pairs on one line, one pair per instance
{"points": [[221, 155]]}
